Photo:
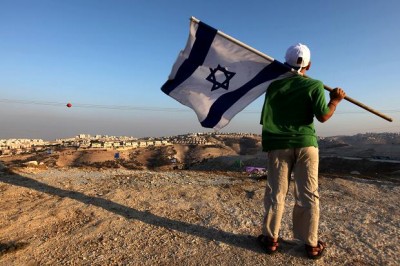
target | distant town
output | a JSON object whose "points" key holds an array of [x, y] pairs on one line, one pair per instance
{"points": [[105, 142], [367, 145]]}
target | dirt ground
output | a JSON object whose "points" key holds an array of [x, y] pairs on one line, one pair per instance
{"points": [[71, 216]]}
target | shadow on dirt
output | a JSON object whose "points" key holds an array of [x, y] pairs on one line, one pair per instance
{"points": [[212, 234], [11, 247]]}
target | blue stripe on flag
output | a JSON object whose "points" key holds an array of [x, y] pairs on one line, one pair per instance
{"points": [[224, 102], [204, 38]]}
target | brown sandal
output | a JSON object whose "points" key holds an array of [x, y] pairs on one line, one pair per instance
{"points": [[315, 252], [268, 244]]}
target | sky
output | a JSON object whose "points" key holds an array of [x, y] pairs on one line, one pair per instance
{"points": [[109, 59]]}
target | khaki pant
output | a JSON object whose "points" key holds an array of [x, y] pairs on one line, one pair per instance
{"points": [[303, 162]]}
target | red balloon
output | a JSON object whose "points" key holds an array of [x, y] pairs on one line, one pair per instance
{"points": [[69, 105]]}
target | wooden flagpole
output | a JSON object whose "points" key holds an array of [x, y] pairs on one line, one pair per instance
{"points": [[369, 109]]}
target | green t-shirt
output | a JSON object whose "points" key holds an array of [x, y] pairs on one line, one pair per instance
{"points": [[288, 113]]}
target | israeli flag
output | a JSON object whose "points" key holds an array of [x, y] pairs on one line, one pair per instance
{"points": [[217, 77]]}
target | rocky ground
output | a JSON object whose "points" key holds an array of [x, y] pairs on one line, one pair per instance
{"points": [[72, 216]]}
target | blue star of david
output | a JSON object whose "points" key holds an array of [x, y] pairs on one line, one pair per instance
{"points": [[216, 84]]}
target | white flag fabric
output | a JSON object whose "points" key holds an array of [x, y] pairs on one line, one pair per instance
{"points": [[218, 78]]}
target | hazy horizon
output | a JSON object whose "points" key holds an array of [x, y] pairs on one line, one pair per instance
{"points": [[121, 131]]}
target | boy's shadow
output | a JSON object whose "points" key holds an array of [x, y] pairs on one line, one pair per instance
{"points": [[242, 241], [11, 246]]}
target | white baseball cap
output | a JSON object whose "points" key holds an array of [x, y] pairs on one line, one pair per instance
{"points": [[298, 55]]}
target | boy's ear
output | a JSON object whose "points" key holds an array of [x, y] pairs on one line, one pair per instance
{"points": [[308, 67]]}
